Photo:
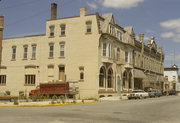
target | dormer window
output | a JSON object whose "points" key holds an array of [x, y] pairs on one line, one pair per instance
{"points": [[111, 29], [63, 29], [51, 31], [119, 35]]}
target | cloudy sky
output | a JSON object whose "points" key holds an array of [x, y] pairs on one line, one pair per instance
{"points": [[159, 18]]}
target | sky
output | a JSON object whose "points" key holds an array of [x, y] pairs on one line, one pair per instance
{"points": [[158, 18]]}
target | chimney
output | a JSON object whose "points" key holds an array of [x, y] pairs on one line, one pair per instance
{"points": [[141, 38], [53, 11], [1, 36], [82, 11]]}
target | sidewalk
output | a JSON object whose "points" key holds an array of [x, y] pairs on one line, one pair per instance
{"points": [[44, 103]]}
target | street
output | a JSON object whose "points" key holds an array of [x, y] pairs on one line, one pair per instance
{"points": [[165, 109]]}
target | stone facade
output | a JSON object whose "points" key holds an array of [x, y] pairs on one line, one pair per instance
{"points": [[89, 49]]}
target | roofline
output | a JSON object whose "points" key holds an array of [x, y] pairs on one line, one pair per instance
{"points": [[25, 36], [71, 17]]}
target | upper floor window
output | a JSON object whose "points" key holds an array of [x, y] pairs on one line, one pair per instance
{"points": [[88, 26], [110, 50], [25, 55], [111, 30], [166, 78], [30, 79], [126, 56], [104, 49], [119, 35], [33, 51], [62, 45], [2, 79], [174, 78], [51, 50], [63, 29], [118, 54], [13, 52], [52, 30]]}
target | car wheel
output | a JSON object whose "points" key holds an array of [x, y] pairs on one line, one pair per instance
{"points": [[140, 97], [12, 100]]}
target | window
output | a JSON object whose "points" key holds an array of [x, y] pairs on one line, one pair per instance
{"points": [[174, 78], [30, 79], [119, 35], [118, 54], [62, 73], [166, 78], [110, 51], [33, 51], [110, 78], [104, 49], [63, 29], [102, 77], [62, 49], [13, 52], [51, 31], [126, 56], [111, 30], [81, 69], [88, 26], [25, 52], [2, 79], [51, 50]]}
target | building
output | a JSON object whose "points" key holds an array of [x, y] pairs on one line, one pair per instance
{"points": [[148, 64], [89, 49], [171, 78]]}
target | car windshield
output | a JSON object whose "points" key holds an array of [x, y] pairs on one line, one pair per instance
{"points": [[2, 94]]}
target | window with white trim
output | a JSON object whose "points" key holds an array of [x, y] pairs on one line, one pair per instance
{"points": [[62, 46], [25, 55], [51, 50], [63, 29], [88, 26], [34, 51], [126, 56], [13, 52], [52, 28]]}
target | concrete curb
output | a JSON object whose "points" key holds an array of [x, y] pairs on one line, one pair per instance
{"points": [[48, 105]]}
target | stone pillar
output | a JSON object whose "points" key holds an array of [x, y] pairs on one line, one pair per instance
{"points": [[1, 36]]}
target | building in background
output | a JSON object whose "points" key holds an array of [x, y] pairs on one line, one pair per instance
{"points": [[103, 57], [171, 78], [148, 64]]}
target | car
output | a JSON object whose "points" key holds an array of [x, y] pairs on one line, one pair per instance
{"points": [[154, 93], [6, 97], [172, 92], [138, 94]]}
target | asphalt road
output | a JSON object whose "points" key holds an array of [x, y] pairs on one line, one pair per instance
{"points": [[151, 110]]}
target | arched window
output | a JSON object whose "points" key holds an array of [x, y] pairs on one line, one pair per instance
{"points": [[110, 78], [124, 78], [130, 80], [102, 76]]}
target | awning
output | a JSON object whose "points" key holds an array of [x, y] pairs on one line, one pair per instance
{"points": [[139, 74]]}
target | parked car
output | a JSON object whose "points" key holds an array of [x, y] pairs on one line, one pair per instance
{"points": [[154, 93], [172, 92], [6, 97], [138, 94]]}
